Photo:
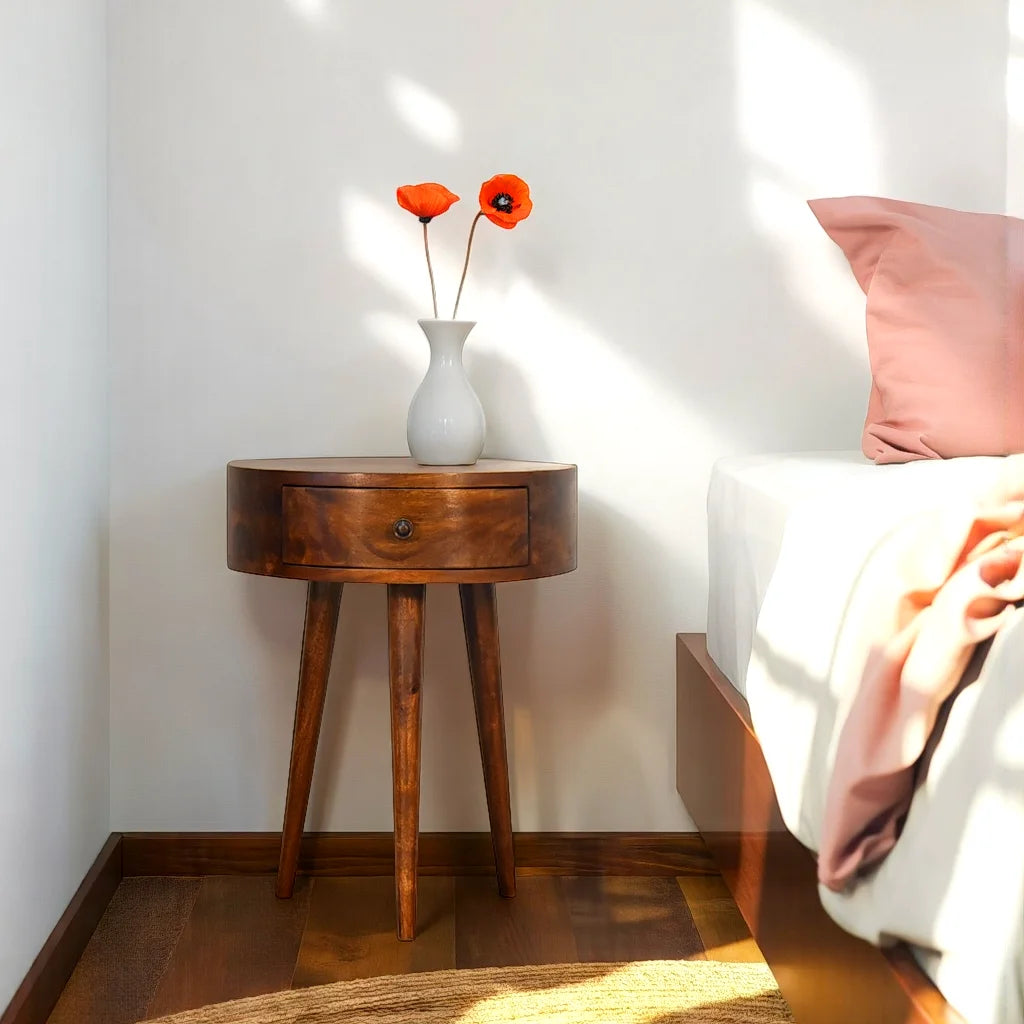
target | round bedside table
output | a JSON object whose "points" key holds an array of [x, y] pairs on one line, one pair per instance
{"points": [[390, 520]]}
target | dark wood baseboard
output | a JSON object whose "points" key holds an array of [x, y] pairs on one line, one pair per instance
{"points": [[827, 975], [441, 853], [38, 993]]}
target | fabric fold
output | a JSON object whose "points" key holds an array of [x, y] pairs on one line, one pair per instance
{"points": [[956, 575]]}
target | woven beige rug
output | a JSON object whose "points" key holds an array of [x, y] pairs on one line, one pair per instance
{"points": [[647, 992]]}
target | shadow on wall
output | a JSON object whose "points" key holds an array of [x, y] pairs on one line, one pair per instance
{"points": [[669, 301]]}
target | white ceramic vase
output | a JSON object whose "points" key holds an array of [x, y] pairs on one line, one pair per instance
{"points": [[446, 425]]}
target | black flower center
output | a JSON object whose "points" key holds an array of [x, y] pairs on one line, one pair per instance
{"points": [[426, 220], [502, 202]]}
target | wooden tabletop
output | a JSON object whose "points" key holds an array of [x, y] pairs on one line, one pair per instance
{"points": [[384, 471], [393, 464], [391, 520]]}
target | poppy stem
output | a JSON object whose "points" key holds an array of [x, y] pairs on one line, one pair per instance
{"points": [[465, 266], [430, 269]]}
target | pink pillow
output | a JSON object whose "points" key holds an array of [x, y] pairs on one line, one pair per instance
{"points": [[945, 325]]}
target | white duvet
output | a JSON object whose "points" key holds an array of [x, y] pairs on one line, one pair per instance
{"points": [[953, 886]]}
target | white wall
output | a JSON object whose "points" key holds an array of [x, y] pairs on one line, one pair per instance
{"points": [[54, 746], [669, 302], [1015, 111]]}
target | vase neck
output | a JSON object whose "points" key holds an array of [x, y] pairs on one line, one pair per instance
{"points": [[446, 338]]}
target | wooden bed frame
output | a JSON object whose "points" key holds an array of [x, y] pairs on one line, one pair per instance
{"points": [[827, 975]]}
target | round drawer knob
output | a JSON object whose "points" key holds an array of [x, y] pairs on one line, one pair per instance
{"points": [[402, 529]]}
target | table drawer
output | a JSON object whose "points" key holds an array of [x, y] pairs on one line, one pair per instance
{"points": [[411, 528]]}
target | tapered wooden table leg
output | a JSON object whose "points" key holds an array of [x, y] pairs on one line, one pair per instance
{"points": [[323, 601], [480, 618], [405, 647]]}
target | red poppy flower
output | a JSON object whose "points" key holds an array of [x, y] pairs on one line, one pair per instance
{"points": [[425, 201], [505, 200]]}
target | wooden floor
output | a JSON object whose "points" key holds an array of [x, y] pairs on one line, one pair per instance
{"points": [[170, 944]]}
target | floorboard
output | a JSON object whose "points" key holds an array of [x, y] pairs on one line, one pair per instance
{"points": [[621, 918], [723, 932], [533, 928], [350, 931], [117, 975], [168, 944], [240, 940]]}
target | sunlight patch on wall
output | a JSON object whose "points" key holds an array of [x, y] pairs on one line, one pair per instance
{"points": [[802, 108], [399, 335], [815, 270], [585, 390], [805, 119], [425, 114], [387, 243], [311, 10], [1015, 66], [1015, 111], [1016, 20], [1015, 90]]}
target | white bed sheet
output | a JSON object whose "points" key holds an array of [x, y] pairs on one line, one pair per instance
{"points": [[752, 499], [954, 884]]}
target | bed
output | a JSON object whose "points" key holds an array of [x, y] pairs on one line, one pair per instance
{"points": [[946, 904]]}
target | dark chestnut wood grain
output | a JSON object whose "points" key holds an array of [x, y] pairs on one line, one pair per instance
{"points": [[723, 932], [325, 854], [323, 601], [409, 528], [827, 975], [141, 928], [350, 931], [260, 532], [239, 940], [617, 919], [130, 953], [198, 940], [393, 521], [406, 603], [480, 620], [382, 470], [534, 928]]}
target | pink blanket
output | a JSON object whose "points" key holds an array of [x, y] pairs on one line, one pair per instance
{"points": [[956, 576]]}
